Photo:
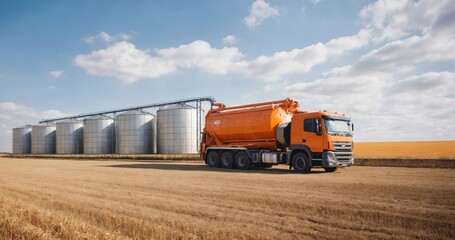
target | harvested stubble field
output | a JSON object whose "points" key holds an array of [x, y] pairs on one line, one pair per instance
{"points": [[406, 150], [74, 199], [431, 154]]}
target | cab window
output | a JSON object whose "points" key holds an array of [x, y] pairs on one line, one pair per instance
{"points": [[310, 125]]}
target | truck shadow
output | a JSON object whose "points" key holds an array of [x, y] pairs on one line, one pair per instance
{"points": [[192, 167]]}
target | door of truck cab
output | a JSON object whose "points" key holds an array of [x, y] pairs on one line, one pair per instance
{"points": [[307, 130]]}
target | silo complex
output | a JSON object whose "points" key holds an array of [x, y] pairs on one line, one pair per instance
{"points": [[134, 132], [99, 135], [177, 132], [22, 140], [43, 138], [69, 137]]}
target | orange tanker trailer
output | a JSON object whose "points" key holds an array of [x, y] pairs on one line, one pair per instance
{"points": [[270, 133]]}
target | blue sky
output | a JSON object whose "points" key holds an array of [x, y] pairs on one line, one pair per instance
{"points": [[389, 64]]}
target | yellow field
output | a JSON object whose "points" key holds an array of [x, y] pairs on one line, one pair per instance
{"points": [[406, 150], [73, 199]]}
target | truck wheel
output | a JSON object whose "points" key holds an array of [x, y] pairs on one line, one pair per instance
{"points": [[301, 163], [213, 158], [227, 160], [242, 160], [330, 169]]}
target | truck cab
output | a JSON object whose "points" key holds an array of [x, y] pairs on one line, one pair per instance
{"points": [[320, 139]]}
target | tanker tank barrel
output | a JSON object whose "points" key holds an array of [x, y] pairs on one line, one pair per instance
{"points": [[251, 126]]}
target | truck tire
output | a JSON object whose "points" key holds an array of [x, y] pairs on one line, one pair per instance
{"points": [[242, 160], [301, 163], [227, 159], [213, 159], [330, 169]]}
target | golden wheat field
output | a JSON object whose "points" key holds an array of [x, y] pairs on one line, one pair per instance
{"points": [[76, 199], [406, 150]]}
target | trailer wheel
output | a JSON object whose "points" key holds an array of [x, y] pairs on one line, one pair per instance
{"points": [[213, 158], [301, 163], [242, 160], [330, 169], [227, 160]]}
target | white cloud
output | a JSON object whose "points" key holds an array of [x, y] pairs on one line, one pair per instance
{"points": [[421, 106], [395, 18], [315, 1], [124, 61], [274, 67], [259, 12], [129, 64], [427, 84], [56, 73], [230, 40], [10, 111], [349, 94], [435, 44], [106, 37], [15, 115], [199, 54]]}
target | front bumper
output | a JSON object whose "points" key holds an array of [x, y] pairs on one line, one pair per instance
{"points": [[337, 159]]}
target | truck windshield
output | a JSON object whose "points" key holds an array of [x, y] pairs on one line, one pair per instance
{"points": [[337, 127]]}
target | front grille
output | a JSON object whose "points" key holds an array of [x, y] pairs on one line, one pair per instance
{"points": [[342, 146], [343, 157], [343, 152]]}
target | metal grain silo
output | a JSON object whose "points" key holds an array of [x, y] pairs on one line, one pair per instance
{"points": [[177, 130], [134, 130], [69, 137], [99, 135], [154, 137], [22, 139], [43, 138]]}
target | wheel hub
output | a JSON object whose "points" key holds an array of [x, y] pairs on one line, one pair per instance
{"points": [[241, 162], [300, 163]]}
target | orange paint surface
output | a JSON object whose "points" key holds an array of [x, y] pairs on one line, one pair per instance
{"points": [[419, 150]]}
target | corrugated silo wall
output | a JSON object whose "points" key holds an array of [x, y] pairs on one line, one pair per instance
{"points": [[99, 135], [177, 130], [69, 137], [22, 140], [43, 139], [134, 132]]}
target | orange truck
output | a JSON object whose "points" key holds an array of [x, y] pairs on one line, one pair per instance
{"points": [[271, 133]]}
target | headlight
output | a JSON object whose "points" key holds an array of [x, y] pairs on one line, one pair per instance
{"points": [[331, 157]]}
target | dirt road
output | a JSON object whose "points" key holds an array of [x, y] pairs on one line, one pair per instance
{"points": [[74, 199]]}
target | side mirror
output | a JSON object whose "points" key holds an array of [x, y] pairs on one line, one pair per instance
{"points": [[352, 125]]}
